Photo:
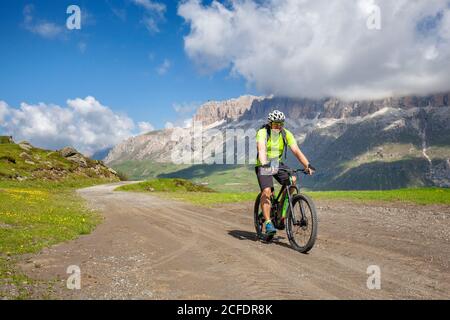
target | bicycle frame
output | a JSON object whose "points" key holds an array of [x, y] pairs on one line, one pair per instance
{"points": [[287, 188]]}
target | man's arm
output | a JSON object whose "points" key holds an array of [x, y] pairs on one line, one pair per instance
{"points": [[301, 157], [262, 154]]}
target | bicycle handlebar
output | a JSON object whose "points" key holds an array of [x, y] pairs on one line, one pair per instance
{"points": [[296, 170]]}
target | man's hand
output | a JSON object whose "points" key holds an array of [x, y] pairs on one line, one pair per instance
{"points": [[310, 170], [266, 169]]}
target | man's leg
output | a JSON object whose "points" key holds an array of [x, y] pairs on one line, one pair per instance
{"points": [[293, 189], [265, 202], [266, 185], [265, 206]]}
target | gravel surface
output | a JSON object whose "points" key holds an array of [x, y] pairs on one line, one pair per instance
{"points": [[152, 248]]}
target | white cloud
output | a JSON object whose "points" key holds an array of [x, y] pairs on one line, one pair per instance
{"points": [[51, 30], [444, 31], [46, 29], [4, 111], [323, 47], [42, 28], [87, 18], [28, 13], [151, 24], [82, 46], [154, 13], [145, 127], [84, 123], [119, 13], [169, 125], [164, 67], [187, 123], [151, 5], [180, 123], [185, 107], [184, 112]]}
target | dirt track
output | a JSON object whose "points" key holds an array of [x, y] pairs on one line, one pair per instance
{"points": [[149, 248]]}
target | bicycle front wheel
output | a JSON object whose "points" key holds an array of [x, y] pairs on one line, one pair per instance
{"points": [[302, 223]]}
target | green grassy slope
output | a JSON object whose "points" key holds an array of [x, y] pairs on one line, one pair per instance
{"points": [[38, 208], [17, 163], [13, 165]]}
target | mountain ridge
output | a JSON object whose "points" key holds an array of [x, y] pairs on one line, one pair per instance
{"points": [[351, 141], [226, 110]]}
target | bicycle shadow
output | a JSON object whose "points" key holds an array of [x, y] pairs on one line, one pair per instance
{"points": [[252, 236]]}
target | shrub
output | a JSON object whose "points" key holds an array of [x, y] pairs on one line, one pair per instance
{"points": [[122, 176]]}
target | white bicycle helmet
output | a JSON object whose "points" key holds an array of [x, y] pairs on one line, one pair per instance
{"points": [[276, 116]]}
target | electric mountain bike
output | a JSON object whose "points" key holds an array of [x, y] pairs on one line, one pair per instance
{"points": [[290, 210]]}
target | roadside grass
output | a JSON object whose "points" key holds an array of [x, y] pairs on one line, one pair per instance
{"points": [[210, 199], [185, 190], [37, 214], [418, 196], [168, 188], [166, 185]]}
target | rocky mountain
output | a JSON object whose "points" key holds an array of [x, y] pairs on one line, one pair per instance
{"points": [[155, 145], [216, 111], [337, 109], [389, 143]]}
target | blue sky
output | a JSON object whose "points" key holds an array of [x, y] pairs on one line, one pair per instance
{"points": [[134, 63], [114, 58]]}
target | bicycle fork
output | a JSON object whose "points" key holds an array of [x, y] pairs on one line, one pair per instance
{"points": [[288, 206]]}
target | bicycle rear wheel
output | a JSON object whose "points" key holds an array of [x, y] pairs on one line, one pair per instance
{"points": [[302, 223]]}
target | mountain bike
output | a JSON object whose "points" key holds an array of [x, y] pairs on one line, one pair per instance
{"points": [[290, 210]]}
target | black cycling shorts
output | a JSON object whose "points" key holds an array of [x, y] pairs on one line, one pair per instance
{"points": [[266, 181]]}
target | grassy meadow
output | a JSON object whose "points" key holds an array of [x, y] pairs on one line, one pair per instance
{"points": [[35, 215]]}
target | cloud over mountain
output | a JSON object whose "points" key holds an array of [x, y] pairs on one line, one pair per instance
{"points": [[324, 47]]}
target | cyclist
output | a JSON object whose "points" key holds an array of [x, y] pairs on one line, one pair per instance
{"points": [[272, 141]]}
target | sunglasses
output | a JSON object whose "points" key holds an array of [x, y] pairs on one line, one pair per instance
{"points": [[278, 123]]}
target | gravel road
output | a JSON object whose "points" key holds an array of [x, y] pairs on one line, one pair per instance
{"points": [[152, 248]]}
